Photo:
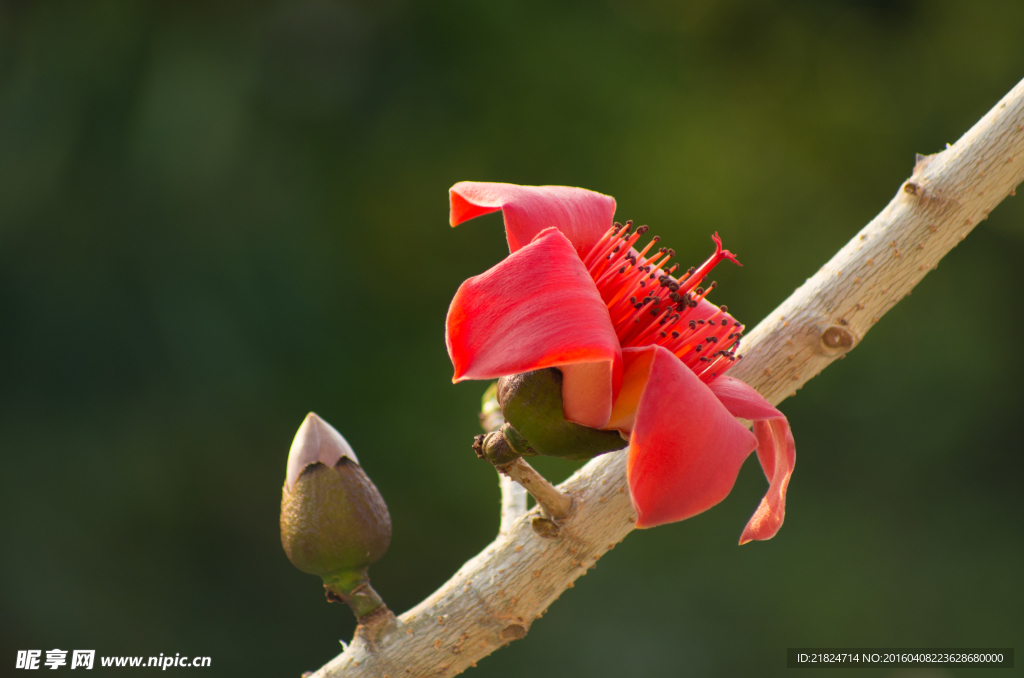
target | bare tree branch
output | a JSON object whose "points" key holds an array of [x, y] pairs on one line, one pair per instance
{"points": [[495, 597]]}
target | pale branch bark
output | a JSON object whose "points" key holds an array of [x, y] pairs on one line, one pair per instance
{"points": [[513, 502], [495, 597]]}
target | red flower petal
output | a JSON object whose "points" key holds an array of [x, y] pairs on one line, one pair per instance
{"points": [[686, 449], [775, 450], [539, 308], [582, 216]]}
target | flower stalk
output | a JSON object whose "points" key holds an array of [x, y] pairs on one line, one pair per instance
{"points": [[556, 503], [504, 446], [513, 495], [352, 587]]}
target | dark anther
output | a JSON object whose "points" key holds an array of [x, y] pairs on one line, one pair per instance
{"points": [[622, 269], [675, 335], [725, 309], [654, 311], [662, 250], [671, 252], [643, 229], [700, 322], [617, 247], [714, 284], [698, 348], [699, 291], [664, 334], [713, 340], [693, 324], [632, 300], [711, 322], [690, 270], [703, 358]]}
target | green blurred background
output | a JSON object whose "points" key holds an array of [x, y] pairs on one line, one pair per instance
{"points": [[217, 216]]}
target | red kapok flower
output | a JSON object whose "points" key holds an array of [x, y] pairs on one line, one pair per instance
{"points": [[640, 348]]}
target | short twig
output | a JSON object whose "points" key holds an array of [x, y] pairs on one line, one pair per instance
{"points": [[550, 499]]}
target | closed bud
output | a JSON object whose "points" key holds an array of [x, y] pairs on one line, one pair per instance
{"points": [[334, 523], [532, 406]]}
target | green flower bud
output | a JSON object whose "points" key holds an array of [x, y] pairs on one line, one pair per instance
{"points": [[334, 523], [532, 406]]}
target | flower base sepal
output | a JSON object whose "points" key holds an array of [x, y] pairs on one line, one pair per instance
{"points": [[531, 403]]}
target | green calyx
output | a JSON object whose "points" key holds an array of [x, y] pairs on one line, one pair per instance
{"points": [[334, 520], [535, 423]]}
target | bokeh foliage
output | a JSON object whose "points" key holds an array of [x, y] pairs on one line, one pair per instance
{"points": [[217, 216]]}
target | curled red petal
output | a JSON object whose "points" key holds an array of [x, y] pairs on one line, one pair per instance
{"points": [[776, 451], [582, 216], [538, 308], [685, 449]]}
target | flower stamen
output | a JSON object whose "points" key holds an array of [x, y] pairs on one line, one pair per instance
{"points": [[648, 305]]}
